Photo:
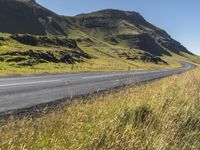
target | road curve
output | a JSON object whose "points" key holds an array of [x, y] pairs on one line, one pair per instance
{"points": [[18, 93]]}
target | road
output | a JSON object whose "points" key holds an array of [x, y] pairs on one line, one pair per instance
{"points": [[18, 93]]}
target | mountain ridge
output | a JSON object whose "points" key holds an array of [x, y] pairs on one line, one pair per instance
{"points": [[109, 17], [112, 26]]}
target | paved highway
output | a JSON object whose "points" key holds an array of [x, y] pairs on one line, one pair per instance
{"points": [[25, 92]]}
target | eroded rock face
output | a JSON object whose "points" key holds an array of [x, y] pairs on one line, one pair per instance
{"points": [[25, 39], [44, 40], [173, 46], [143, 42], [30, 57]]}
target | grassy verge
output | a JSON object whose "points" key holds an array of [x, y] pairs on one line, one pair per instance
{"points": [[163, 115]]}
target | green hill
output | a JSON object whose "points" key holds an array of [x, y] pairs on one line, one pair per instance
{"points": [[129, 29], [34, 39]]}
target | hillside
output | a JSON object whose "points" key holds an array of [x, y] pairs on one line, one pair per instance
{"points": [[34, 39], [26, 16], [129, 29]]}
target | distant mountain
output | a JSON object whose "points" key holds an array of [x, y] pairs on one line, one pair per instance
{"points": [[129, 29], [124, 28]]}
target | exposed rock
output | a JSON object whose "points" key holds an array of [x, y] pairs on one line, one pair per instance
{"points": [[2, 39], [44, 40], [36, 57], [173, 46], [66, 58], [143, 42], [145, 57], [25, 39], [16, 59]]}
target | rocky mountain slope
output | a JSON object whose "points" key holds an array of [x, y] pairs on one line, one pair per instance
{"points": [[116, 27], [129, 29]]}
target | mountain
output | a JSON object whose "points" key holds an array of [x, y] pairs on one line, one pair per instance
{"points": [[114, 27], [129, 29], [26, 16]]}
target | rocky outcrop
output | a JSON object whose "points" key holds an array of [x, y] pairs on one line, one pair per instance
{"points": [[44, 40], [33, 57], [143, 42], [145, 57]]}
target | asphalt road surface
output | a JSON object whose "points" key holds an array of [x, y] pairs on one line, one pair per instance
{"points": [[18, 93]]}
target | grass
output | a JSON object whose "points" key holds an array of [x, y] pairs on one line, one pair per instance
{"points": [[104, 58], [90, 65], [164, 114]]}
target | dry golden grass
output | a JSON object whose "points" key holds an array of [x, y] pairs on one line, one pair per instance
{"points": [[163, 115]]}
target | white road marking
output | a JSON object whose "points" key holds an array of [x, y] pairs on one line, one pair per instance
{"points": [[16, 84], [21, 78], [31, 77]]}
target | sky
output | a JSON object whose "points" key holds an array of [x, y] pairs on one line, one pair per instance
{"points": [[180, 18]]}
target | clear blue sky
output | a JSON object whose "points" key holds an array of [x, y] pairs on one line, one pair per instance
{"points": [[180, 18]]}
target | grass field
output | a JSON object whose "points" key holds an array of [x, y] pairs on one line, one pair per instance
{"points": [[162, 115]]}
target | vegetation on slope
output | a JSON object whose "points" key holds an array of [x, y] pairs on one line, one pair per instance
{"points": [[165, 115], [126, 28], [22, 54], [106, 40], [26, 16]]}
